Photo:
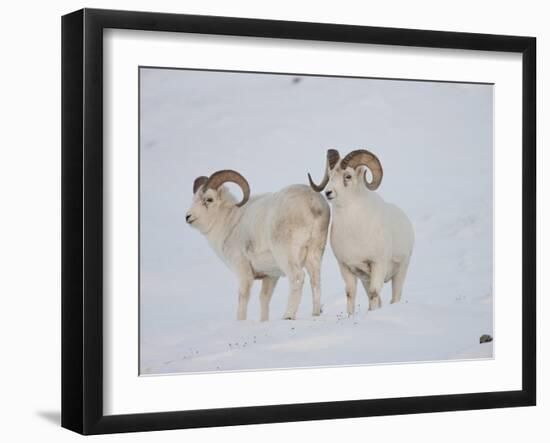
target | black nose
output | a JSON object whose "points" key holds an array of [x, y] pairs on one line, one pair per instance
{"points": [[187, 217], [328, 193]]}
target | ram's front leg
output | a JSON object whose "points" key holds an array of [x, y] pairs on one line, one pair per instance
{"points": [[245, 284], [374, 286], [350, 281]]}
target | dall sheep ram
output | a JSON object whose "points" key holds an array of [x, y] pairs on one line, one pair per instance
{"points": [[264, 237], [371, 239]]}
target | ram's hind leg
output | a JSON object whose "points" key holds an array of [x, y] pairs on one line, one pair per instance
{"points": [[268, 285], [290, 254], [315, 249], [245, 284], [398, 281], [313, 267], [295, 275]]}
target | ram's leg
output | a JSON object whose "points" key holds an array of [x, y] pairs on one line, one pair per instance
{"points": [[315, 249], [398, 281], [374, 286], [295, 276], [313, 267], [290, 255], [350, 280], [245, 284], [268, 285], [375, 301]]}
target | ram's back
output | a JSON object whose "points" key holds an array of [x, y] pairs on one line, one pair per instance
{"points": [[290, 217], [402, 232]]}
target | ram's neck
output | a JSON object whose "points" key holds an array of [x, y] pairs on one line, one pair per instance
{"points": [[361, 199], [223, 229], [357, 207]]}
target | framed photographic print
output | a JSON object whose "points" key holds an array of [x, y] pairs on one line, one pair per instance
{"points": [[269, 221]]}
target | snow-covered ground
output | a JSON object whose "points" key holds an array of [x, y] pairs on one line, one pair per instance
{"points": [[435, 144]]}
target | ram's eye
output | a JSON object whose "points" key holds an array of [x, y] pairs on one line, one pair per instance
{"points": [[347, 177], [209, 200]]}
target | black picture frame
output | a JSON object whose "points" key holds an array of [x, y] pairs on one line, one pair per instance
{"points": [[82, 220]]}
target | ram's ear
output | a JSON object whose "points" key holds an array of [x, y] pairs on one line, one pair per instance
{"points": [[199, 181]]}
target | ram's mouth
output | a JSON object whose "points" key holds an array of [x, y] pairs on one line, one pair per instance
{"points": [[190, 222]]}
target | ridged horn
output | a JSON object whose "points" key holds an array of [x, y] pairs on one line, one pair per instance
{"points": [[362, 157], [332, 158], [227, 175], [199, 181]]}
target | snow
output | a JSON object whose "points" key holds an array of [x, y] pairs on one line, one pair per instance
{"points": [[435, 144]]}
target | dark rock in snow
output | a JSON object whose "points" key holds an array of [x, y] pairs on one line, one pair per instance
{"points": [[485, 338]]}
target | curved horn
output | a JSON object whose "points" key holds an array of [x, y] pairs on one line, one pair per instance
{"points": [[227, 175], [362, 157], [199, 181], [332, 158]]}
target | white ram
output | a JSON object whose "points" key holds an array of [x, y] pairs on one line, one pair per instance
{"points": [[371, 239], [264, 237]]}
